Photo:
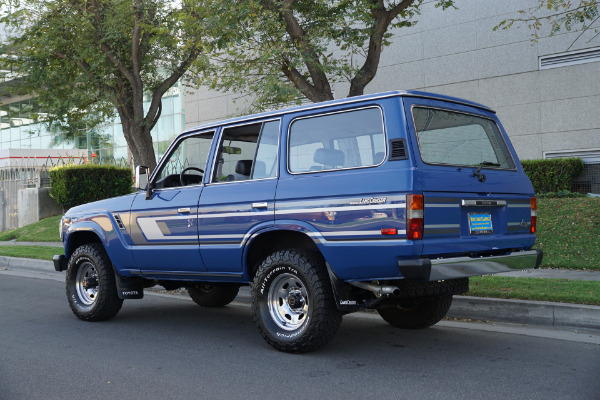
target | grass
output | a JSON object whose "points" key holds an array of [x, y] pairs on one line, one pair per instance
{"points": [[558, 290], [37, 252], [569, 232], [45, 230]]}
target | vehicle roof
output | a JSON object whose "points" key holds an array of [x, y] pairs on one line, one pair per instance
{"points": [[348, 100]]}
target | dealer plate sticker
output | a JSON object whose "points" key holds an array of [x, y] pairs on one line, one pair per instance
{"points": [[480, 224]]}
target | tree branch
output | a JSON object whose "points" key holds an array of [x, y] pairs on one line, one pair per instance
{"points": [[382, 18], [309, 55], [302, 84], [155, 105]]}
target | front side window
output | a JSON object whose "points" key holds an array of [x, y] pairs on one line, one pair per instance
{"points": [[186, 163], [452, 138], [342, 140]]}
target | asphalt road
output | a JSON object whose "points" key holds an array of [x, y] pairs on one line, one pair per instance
{"points": [[165, 347]]}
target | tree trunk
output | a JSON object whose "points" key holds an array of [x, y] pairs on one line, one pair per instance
{"points": [[139, 141]]}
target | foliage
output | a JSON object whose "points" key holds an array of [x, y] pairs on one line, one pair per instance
{"points": [[45, 230], [540, 289], [84, 59], [282, 51], [569, 232], [558, 14], [552, 175], [561, 194], [72, 185]]}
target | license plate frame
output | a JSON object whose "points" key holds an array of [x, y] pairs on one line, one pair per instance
{"points": [[480, 223]]}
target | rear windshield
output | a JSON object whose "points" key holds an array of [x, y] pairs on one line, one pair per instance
{"points": [[453, 138]]}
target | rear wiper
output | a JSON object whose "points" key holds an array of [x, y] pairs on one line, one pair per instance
{"points": [[478, 173], [488, 164]]}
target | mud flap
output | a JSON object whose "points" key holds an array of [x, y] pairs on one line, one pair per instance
{"points": [[348, 299], [129, 288]]}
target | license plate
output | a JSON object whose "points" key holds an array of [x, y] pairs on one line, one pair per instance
{"points": [[480, 224]]}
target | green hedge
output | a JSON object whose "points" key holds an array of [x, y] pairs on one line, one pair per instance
{"points": [[553, 175], [72, 185]]}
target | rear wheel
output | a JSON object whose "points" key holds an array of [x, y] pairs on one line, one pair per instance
{"points": [[90, 284], [209, 295], [418, 315], [293, 302]]}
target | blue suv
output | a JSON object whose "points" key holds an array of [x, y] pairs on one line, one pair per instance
{"points": [[387, 202]]}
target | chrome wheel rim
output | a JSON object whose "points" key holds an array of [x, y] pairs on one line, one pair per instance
{"points": [[86, 283], [288, 302]]}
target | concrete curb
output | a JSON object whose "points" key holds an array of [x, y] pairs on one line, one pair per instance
{"points": [[541, 313], [28, 263], [537, 313]]}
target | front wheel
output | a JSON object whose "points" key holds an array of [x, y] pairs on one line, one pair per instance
{"points": [[91, 286], [418, 315], [293, 302]]}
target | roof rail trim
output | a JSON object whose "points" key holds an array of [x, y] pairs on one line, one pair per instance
{"points": [[339, 102]]}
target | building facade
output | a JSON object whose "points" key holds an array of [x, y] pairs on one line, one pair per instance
{"points": [[22, 127], [547, 93]]}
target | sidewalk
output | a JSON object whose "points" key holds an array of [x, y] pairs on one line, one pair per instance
{"points": [[539, 313], [15, 243]]}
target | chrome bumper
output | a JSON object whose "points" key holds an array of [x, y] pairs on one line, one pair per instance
{"points": [[461, 267]]}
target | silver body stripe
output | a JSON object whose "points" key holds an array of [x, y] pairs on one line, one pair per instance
{"points": [[235, 214], [430, 205], [519, 205], [443, 226], [341, 208], [150, 229], [357, 233]]}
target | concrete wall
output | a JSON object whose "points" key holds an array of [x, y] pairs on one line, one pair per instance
{"points": [[456, 52], [36, 204]]}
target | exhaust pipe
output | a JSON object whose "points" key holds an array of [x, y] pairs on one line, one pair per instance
{"points": [[379, 290]]}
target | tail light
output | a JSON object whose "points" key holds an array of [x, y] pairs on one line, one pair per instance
{"points": [[533, 227], [414, 217]]}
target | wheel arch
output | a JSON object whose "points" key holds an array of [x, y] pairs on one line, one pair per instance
{"points": [[270, 241], [79, 238]]}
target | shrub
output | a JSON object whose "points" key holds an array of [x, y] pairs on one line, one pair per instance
{"points": [[72, 185], [561, 194], [553, 175]]}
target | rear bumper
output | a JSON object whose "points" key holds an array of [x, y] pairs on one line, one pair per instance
{"points": [[461, 267]]}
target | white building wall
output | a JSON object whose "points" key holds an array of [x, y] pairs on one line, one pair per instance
{"points": [[456, 52]]}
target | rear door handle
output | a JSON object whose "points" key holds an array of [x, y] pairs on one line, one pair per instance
{"points": [[260, 205], [183, 210]]}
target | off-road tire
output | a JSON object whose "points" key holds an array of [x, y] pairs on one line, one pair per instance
{"points": [[293, 302], [90, 284], [209, 295], [420, 315]]}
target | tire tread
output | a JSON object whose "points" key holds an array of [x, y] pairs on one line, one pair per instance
{"points": [[108, 303], [326, 318]]}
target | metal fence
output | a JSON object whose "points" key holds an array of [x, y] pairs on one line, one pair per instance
{"points": [[30, 173], [589, 180]]}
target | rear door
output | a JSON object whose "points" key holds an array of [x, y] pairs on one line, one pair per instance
{"points": [[477, 198]]}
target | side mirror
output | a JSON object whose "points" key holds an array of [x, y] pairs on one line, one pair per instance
{"points": [[141, 177]]}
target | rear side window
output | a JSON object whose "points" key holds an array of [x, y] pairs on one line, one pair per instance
{"points": [[348, 139], [452, 138], [247, 152]]}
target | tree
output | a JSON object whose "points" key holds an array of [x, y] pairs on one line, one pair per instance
{"points": [[86, 59], [283, 50], [559, 15]]}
